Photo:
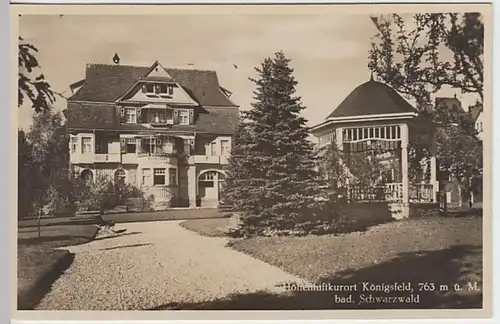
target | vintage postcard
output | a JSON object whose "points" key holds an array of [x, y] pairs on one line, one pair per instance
{"points": [[282, 161]]}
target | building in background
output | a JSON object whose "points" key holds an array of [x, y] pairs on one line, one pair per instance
{"points": [[476, 112], [167, 131]]}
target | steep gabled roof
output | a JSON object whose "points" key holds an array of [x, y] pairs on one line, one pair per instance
{"points": [[107, 83], [372, 98]]}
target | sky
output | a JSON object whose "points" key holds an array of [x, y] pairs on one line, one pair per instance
{"points": [[329, 52]]}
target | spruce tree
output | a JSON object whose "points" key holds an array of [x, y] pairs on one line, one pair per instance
{"points": [[272, 179]]}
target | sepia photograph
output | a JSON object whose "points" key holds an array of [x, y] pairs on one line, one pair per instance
{"points": [[266, 158]]}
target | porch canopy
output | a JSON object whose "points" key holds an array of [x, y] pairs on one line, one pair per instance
{"points": [[372, 115]]}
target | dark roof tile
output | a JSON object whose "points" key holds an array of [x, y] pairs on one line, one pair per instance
{"points": [[217, 121], [372, 98], [92, 115], [105, 116], [108, 83]]}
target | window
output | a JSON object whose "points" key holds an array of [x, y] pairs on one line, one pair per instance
{"points": [[159, 177], [146, 177], [128, 145], [86, 145], [167, 89], [184, 117], [74, 144], [172, 176], [168, 146], [151, 145], [170, 116], [156, 117], [131, 145], [213, 148], [224, 147], [120, 176], [208, 176], [87, 175], [150, 88], [130, 115]]}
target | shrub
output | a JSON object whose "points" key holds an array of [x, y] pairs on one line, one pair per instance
{"points": [[103, 194]]}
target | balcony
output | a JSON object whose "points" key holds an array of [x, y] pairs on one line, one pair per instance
{"points": [[208, 159], [107, 158], [153, 159], [89, 158]]}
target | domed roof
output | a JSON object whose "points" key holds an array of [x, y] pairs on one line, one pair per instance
{"points": [[372, 98]]}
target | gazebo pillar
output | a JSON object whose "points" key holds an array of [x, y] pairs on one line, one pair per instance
{"points": [[433, 151], [404, 170]]}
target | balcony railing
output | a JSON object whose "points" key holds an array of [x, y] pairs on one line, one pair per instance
{"points": [[422, 192], [107, 157], [161, 193], [208, 159], [392, 192]]}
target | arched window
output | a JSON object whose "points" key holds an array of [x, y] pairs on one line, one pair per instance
{"points": [[86, 175], [120, 176]]}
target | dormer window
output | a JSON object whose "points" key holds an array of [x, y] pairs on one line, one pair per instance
{"points": [[149, 88], [161, 89], [166, 89]]}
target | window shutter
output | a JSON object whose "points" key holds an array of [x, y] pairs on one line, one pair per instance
{"points": [[185, 147], [191, 146], [191, 117], [138, 116], [123, 145], [176, 116]]}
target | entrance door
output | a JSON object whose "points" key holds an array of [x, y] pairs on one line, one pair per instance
{"points": [[209, 188]]}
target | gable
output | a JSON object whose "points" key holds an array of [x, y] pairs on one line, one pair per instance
{"points": [[178, 96], [157, 71]]}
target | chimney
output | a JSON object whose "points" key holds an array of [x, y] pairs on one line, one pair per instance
{"points": [[116, 59]]}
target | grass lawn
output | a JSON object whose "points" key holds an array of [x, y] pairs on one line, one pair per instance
{"points": [[207, 227], [440, 251], [40, 262]]}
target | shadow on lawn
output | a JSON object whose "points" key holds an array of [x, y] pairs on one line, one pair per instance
{"points": [[442, 267], [29, 298], [59, 240], [117, 234], [125, 246]]}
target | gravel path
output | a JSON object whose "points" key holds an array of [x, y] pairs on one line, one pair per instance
{"points": [[155, 264]]}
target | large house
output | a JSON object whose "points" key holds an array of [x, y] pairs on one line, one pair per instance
{"points": [[167, 131]]}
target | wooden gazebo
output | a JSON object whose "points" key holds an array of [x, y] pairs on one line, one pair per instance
{"points": [[375, 114]]}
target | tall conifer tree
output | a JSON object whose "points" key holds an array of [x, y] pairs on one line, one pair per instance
{"points": [[272, 179]]}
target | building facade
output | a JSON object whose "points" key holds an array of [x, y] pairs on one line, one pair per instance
{"points": [[166, 131]]}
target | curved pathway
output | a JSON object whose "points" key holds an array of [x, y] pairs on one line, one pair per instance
{"points": [[154, 264]]}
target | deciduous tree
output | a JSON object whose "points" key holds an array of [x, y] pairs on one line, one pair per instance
{"points": [[32, 85]]}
